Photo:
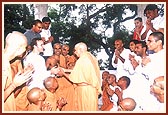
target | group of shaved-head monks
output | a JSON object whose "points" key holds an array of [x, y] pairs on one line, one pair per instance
{"points": [[59, 83], [71, 83]]}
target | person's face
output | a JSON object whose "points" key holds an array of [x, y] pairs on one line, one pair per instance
{"points": [[120, 81], [70, 65], [46, 25], [132, 46], [152, 45], [65, 50], [39, 46], [37, 28], [138, 24], [57, 49], [111, 79], [77, 52], [150, 14], [105, 75], [53, 87], [118, 44], [42, 95], [138, 49]]}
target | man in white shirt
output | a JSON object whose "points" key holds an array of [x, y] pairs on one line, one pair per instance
{"points": [[38, 63], [119, 57], [155, 65], [46, 37], [154, 21]]}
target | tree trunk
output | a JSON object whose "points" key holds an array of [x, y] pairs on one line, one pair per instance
{"points": [[40, 11]]}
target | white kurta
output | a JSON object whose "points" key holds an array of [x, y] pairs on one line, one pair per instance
{"points": [[48, 47], [120, 66], [40, 72]]}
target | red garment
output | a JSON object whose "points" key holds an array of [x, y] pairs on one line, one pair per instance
{"points": [[137, 35]]}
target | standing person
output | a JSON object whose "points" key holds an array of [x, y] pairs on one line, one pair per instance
{"points": [[46, 37], [157, 59], [86, 79], [106, 103], [34, 32], [38, 62], [11, 51], [119, 57], [154, 21], [138, 28]]}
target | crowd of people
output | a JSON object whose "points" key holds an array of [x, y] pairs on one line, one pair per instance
{"points": [[39, 76]]}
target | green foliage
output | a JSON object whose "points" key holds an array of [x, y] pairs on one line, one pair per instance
{"points": [[17, 17]]}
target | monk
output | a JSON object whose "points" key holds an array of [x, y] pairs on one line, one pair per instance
{"points": [[85, 77], [107, 103], [37, 100], [52, 61], [21, 91], [9, 83], [127, 104], [51, 85], [64, 55]]}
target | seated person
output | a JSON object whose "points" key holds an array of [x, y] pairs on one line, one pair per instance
{"points": [[127, 104], [157, 89], [51, 86], [52, 61], [36, 98]]}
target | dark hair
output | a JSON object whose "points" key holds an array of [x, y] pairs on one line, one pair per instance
{"points": [[143, 43], [46, 19], [35, 22], [150, 7], [34, 42], [158, 36], [127, 79], [135, 41], [138, 18]]}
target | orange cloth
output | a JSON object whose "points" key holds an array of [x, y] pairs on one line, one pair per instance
{"points": [[9, 104], [21, 100], [87, 71], [62, 61], [33, 107], [65, 90], [107, 104], [51, 98]]}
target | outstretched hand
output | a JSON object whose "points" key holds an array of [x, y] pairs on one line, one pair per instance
{"points": [[22, 77]]}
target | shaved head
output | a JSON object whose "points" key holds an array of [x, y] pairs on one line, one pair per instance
{"points": [[81, 46], [16, 44], [51, 84], [128, 104], [35, 95]]}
